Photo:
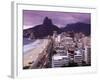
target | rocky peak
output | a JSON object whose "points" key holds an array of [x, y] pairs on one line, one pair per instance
{"points": [[47, 21]]}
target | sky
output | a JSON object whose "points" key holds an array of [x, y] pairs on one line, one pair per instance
{"points": [[32, 18]]}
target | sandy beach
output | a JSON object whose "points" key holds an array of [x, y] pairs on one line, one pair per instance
{"points": [[34, 54]]}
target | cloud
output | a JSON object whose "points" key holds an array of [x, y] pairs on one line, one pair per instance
{"points": [[61, 19]]}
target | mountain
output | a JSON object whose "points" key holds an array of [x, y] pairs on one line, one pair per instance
{"points": [[78, 27], [43, 30], [47, 28]]}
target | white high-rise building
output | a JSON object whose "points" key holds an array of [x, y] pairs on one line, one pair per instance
{"points": [[78, 58], [87, 55], [54, 34], [59, 61]]}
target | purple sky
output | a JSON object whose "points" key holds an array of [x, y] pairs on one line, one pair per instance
{"points": [[61, 19]]}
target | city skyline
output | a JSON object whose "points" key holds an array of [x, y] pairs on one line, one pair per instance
{"points": [[32, 18]]}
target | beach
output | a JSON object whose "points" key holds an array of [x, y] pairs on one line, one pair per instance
{"points": [[34, 51]]}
